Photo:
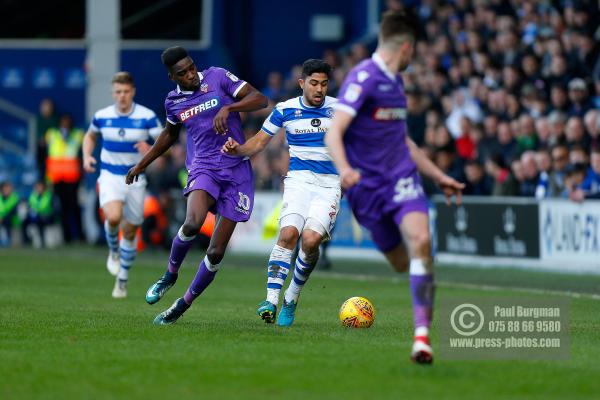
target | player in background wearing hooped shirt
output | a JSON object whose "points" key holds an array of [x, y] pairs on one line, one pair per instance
{"points": [[311, 197], [378, 164], [125, 128], [207, 103]]}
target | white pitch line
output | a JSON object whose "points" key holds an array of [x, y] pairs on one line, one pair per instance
{"points": [[457, 285]]}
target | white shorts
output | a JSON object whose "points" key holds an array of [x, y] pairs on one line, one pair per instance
{"points": [[309, 206], [113, 188]]}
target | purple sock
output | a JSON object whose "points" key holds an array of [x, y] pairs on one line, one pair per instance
{"points": [[203, 278], [422, 289], [179, 249]]}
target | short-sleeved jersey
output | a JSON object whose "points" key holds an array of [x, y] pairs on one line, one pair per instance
{"points": [[375, 141], [120, 133], [196, 111], [305, 129]]}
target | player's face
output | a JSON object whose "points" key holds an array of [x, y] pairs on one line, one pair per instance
{"points": [[185, 74], [314, 88], [123, 94]]}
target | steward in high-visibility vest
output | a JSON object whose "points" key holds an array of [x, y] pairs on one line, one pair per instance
{"points": [[9, 201], [40, 202], [64, 144]]}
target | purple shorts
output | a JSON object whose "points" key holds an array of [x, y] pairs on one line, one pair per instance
{"points": [[382, 209], [232, 188]]}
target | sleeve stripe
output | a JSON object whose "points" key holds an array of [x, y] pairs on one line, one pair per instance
{"points": [[239, 88], [268, 132], [171, 122], [345, 108]]}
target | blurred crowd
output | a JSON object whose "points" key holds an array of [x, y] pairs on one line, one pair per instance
{"points": [[502, 95]]}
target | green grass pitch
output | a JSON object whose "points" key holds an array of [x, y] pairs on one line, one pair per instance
{"points": [[62, 336]]}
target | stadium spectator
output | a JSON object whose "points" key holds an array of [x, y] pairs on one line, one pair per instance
{"points": [[477, 181], [41, 211], [274, 88], [560, 160], [578, 96], [63, 169], [530, 174], [9, 218]]}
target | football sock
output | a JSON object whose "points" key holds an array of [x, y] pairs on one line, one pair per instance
{"points": [[422, 290], [302, 271], [112, 236], [277, 271], [127, 253], [179, 248], [205, 275]]}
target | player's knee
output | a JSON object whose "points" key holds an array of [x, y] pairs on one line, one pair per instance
{"points": [[129, 231], [215, 254], [310, 242], [288, 237], [421, 245], [114, 219], [401, 265], [192, 225]]}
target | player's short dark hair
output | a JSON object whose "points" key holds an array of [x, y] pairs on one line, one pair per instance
{"points": [[123, 77], [313, 65], [173, 55], [397, 23]]}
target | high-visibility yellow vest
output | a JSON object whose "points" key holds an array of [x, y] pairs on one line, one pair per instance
{"points": [[62, 164]]}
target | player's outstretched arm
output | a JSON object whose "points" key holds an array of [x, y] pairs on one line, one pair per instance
{"points": [[450, 187], [334, 142], [165, 140], [254, 145], [249, 99], [89, 143]]}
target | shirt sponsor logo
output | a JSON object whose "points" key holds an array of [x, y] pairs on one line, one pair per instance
{"points": [[191, 112], [311, 130], [352, 92], [389, 114], [315, 122]]}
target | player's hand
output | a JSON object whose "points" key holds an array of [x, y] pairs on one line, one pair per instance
{"points": [[142, 147], [230, 147], [451, 187], [88, 164], [349, 177], [220, 121], [133, 174]]}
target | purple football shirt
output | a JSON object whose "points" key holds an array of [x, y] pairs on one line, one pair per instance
{"points": [[196, 111], [375, 141]]}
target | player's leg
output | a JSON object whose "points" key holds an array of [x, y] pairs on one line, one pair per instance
{"points": [[127, 254], [206, 272], [198, 204], [294, 210], [279, 263], [321, 217], [113, 213], [415, 230], [112, 195], [398, 258]]}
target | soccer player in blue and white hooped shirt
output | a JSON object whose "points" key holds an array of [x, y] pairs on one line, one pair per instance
{"points": [[125, 128], [312, 191]]}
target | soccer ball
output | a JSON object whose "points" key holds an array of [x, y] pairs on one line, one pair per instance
{"points": [[357, 312]]}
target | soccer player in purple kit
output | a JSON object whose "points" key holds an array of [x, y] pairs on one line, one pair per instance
{"points": [[207, 103], [378, 164]]}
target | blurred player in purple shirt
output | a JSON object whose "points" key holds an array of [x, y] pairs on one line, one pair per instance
{"points": [[207, 103], [378, 164]]}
